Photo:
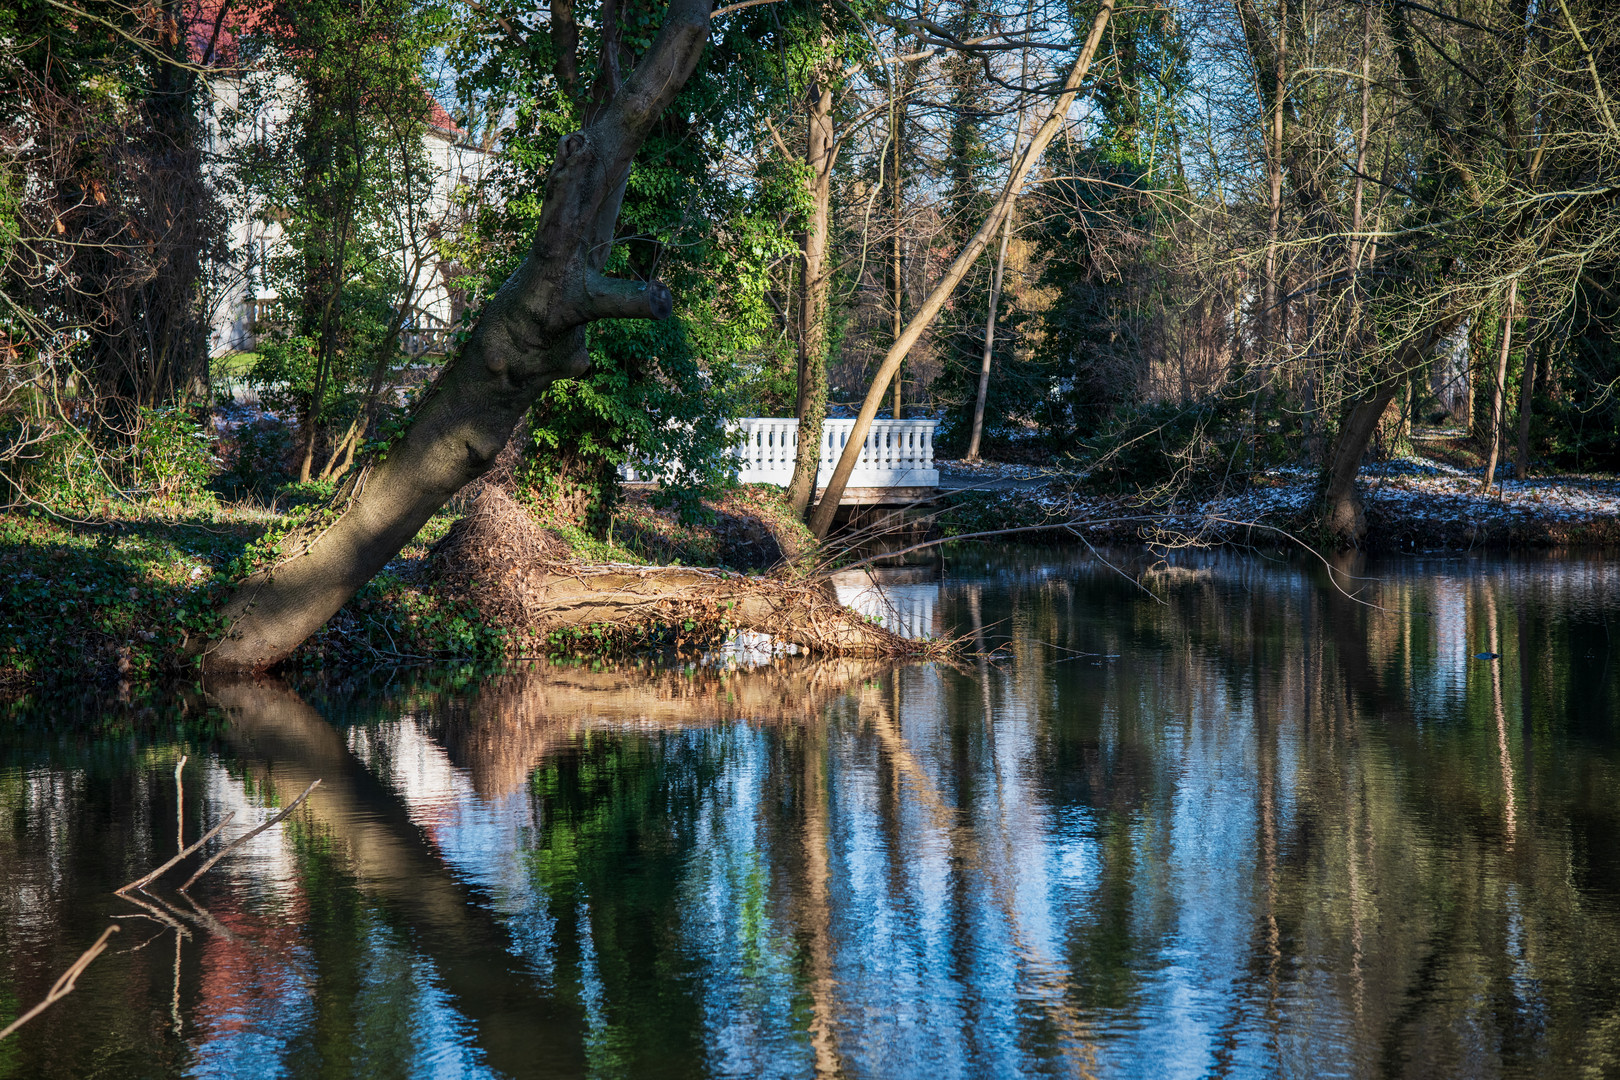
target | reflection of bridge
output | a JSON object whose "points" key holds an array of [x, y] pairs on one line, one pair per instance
{"points": [[904, 601], [896, 463]]}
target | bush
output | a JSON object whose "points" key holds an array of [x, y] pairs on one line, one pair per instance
{"points": [[257, 456], [172, 456]]}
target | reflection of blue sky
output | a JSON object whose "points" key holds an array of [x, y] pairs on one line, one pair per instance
{"points": [[734, 926], [404, 1022], [987, 911]]}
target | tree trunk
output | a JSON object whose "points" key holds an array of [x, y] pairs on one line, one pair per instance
{"points": [[1527, 393], [531, 333], [812, 395], [1340, 503], [995, 283], [821, 519], [989, 342], [1499, 389]]}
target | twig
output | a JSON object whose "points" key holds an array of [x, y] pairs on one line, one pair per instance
{"points": [[245, 837], [1048, 527], [142, 882], [179, 804], [64, 985]]}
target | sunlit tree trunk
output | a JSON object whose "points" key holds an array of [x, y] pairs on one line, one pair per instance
{"points": [[821, 519], [811, 406]]}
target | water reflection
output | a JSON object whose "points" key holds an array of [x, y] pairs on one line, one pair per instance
{"points": [[1240, 823]]}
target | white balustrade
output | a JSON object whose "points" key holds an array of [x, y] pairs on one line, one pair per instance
{"points": [[897, 453]]}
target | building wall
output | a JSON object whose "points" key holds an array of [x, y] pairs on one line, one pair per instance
{"points": [[242, 295]]}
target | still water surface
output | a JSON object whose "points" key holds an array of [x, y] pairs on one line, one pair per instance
{"points": [[1231, 823]]}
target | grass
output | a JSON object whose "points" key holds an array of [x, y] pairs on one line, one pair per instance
{"points": [[237, 365], [112, 600], [120, 596]]}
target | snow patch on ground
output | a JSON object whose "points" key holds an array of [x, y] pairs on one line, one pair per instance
{"points": [[1420, 501]]}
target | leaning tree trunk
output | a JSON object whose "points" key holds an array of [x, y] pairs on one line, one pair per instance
{"points": [[821, 518], [1340, 504], [531, 333], [812, 396]]}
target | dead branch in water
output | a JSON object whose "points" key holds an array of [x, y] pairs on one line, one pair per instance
{"points": [[245, 837], [147, 879], [64, 985]]}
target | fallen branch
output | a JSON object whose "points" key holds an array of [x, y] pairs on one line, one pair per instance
{"points": [[522, 580], [142, 882], [64, 985], [245, 837], [1070, 526]]}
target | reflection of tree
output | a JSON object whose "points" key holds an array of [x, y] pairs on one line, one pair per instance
{"points": [[1284, 805], [1386, 775], [283, 741], [516, 719]]}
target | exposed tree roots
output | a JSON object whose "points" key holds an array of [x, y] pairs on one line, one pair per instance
{"points": [[524, 579]]}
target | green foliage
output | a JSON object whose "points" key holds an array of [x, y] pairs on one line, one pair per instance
{"points": [[662, 391], [392, 618], [107, 603], [257, 459], [173, 455], [342, 175], [168, 461], [290, 371]]}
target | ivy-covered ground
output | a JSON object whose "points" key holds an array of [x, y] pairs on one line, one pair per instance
{"points": [[112, 598]]}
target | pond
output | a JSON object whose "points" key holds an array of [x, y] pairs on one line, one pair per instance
{"points": [[1223, 819]]}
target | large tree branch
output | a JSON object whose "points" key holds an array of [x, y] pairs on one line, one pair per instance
{"points": [[616, 298], [565, 42]]}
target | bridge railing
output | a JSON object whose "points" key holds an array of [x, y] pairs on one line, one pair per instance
{"points": [[896, 453]]}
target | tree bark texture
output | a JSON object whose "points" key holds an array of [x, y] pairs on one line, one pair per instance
{"points": [[1341, 506], [531, 333], [1493, 451], [812, 393], [821, 519]]}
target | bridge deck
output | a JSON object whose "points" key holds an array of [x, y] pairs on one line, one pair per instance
{"points": [[895, 467]]}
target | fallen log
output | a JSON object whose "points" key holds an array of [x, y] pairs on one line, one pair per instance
{"points": [[522, 578]]}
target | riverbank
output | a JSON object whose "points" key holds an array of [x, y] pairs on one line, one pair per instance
{"points": [[1413, 504], [113, 600]]}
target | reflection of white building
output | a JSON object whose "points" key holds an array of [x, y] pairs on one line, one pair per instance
{"points": [[901, 599], [417, 221]]}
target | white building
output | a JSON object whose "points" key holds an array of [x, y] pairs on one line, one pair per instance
{"points": [[245, 300]]}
